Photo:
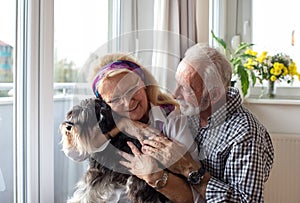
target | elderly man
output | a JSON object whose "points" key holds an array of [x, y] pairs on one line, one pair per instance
{"points": [[236, 151]]}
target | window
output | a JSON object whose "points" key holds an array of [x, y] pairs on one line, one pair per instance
{"points": [[276, 28], [7, 64], [48, 33], [80, 28], [271, 26]]}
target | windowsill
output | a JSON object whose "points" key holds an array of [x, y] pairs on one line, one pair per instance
{"points": [[284, 95], [275, 100], [279, 114]]}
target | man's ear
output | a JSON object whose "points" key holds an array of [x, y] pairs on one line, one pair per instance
{"points": [[215, 95]]}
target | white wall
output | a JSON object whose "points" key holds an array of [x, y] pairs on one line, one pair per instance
{"points": [[281, 117]]}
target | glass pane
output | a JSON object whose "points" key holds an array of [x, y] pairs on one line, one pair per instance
{"points": [[7, 63], [80, 28], [276, 28]]}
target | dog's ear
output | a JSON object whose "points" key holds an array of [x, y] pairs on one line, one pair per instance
{"points": [[104, 116]]}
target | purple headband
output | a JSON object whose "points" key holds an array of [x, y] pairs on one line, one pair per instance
{"points": [[116, 65]]}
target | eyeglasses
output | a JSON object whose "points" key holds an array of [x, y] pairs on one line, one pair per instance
{"points": [[116, 65], [133, 91]]}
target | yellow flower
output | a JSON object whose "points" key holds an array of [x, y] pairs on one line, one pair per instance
{"points": [[277, 68], [262, 57], [293, 68], [285, 71], [250, 63], [250, 52], [249, 66], [273, 78]]}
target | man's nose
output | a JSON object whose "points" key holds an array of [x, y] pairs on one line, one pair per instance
{"points": [[176, 93]]}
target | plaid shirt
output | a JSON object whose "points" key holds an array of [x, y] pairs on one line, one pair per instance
{"points": [[237, 151]]}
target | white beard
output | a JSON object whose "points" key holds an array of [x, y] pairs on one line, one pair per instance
{"points": [[188, 109]]}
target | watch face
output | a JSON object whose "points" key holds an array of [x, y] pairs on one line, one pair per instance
{"points": [[194, 177]]}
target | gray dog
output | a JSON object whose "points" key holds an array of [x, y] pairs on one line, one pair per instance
{"points": [[105, 176]]}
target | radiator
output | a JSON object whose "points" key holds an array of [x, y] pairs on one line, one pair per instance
{"points": [[283, 184]]}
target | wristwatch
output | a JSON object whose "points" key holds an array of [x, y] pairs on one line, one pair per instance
{"points": [[195, 177]]}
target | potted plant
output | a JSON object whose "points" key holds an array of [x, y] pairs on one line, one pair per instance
{"points": [[272, 68], [237, 58]]}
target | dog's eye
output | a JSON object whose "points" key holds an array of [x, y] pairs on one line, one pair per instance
{"points": [[69, 125]]}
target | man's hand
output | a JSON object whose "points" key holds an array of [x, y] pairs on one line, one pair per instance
{"points": [[170, 153]]}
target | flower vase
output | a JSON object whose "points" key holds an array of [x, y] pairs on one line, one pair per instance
{"points": [[271, 89]]}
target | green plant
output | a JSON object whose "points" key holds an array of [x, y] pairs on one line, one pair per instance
{"points": [[272, 68], [237, 58]]}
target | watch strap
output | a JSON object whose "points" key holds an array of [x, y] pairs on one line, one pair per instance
{"points": [[198, 174]]}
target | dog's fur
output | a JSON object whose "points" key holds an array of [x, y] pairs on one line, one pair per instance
{"points": [[105, 174]]}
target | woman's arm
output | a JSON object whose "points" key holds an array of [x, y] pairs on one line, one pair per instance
{"points": [[145, 167], [173, 154]]}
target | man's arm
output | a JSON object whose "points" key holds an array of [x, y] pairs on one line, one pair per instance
{"points": [[175, 188], [185, 193], [243, 173], [174, 155], [242, 176]]}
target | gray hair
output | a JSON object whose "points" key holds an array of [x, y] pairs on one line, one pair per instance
{"points": [[212, 66]]}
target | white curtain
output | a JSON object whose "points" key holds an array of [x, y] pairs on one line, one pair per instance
{"points": [[178, 24], [158, 33]]}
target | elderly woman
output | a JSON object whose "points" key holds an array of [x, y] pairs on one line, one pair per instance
{"points": [[133, 93]]}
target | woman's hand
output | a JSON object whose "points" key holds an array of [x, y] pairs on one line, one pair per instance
{"points": [[139, 164], [136, 129], [170, 153]]}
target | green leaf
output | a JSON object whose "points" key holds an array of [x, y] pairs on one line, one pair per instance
{"points": [[247, 56], [243, 74], [253, 77], [219, 40], [243, 46]]}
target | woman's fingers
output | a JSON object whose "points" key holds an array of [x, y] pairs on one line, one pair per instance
{"points": [[126, 156], [157, 141], [134, 149], [139, 164], [153, 143], [166, 151], [126, 164]]}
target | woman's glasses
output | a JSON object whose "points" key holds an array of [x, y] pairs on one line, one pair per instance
{"points": [[132, 91], [116, 65]]}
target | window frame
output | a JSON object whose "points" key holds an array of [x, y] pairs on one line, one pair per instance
{"points": [[33, 103]]}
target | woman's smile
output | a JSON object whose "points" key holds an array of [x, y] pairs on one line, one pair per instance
{"points": [[134, 108]]}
